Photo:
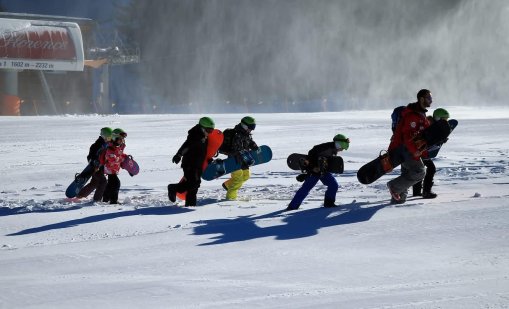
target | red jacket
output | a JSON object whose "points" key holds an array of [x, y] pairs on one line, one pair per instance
{"points": [[112, 158], [413, 121]]}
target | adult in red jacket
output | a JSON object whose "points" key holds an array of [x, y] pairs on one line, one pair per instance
{"points": [[413, 121]]}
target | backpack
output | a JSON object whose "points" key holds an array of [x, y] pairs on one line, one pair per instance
{"points": [[396, 116], [226, 146]]}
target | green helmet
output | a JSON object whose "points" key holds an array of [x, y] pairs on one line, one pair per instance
{"points": [[342, 142], [249, 122], [118, 133], [440, 113], [207, 123], [106, 132]]}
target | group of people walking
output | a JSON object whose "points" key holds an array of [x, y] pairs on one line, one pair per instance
{"points": [[417, 170], [193, 152]]}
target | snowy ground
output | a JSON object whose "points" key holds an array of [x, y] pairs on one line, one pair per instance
{"points": [[451, 252]]}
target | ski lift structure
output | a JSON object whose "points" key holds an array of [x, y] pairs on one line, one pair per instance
{"points": [[40, 44], [117, 53]]}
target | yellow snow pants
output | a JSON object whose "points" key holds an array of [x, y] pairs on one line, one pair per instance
{"points": [[235, 182]]}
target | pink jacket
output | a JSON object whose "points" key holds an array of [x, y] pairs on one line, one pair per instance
{"points": [[112, 158]]}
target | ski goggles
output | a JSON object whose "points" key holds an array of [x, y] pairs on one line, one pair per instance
{"points": [[248, 126], [342, 143]]}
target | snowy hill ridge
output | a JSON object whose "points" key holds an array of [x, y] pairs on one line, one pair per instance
{"points": [[450, 252]]}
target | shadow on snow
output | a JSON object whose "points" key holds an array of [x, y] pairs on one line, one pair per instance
{"points": [[150, 211], [299, 224], [7, 211]]}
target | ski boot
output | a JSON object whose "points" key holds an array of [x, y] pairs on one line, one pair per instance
{"points": [[172, 193], [417, 189], [427, 193], [329, 203]]}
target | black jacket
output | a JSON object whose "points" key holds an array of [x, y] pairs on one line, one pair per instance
{"points": [[194, 149], [324, 150], [236, 140], [95, 149]]}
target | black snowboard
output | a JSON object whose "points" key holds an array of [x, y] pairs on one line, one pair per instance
{"points": [[298, 162], [433, 151], [433, 135]]}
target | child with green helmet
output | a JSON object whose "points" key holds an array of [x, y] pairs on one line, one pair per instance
{"points": [[440, 113], [98, 180], [317, 170], [112, 158], [237, 143], [423, 187], [192, 153]]}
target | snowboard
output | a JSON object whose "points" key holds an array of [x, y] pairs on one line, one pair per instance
{"points": [[214, 141], [298, 162], [433, 150], [79, 181], [220, 167], [130, 166], [433, 135]]}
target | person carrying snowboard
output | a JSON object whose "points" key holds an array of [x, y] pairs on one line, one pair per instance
{"points": [[316, 169], [111, 158], [423, 188], [98, 180], [192, 153], [413, 121], [237, 143]]}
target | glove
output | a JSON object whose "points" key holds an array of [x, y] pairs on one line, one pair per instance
{"points": [[301, 177], [322, 165], [176, 158]]}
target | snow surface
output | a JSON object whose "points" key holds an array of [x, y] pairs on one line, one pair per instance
{"points": [[450, 252]]}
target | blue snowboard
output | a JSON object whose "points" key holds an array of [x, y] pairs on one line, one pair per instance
{"points": [[79, 181], [433, 150], [218, 168]]}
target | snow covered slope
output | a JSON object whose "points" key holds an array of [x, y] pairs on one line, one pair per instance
{"points": [[451, 252]]}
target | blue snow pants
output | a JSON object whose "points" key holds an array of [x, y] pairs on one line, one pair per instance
{"points": [[327, 179]]}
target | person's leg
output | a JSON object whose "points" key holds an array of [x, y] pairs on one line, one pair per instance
{"points": [[107, 191], [115, 187], [428, 180], [100, 186], [301, 194], [412, 171], [234, 184], [332, 188], [191, 185], [181, 186], [417, 188], [86, 190]]}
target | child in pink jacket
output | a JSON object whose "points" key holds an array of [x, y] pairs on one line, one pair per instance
{"points": [[112, 158]]}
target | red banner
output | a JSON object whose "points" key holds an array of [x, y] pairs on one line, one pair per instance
{"points": [[40, 45], [37, 42]]}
